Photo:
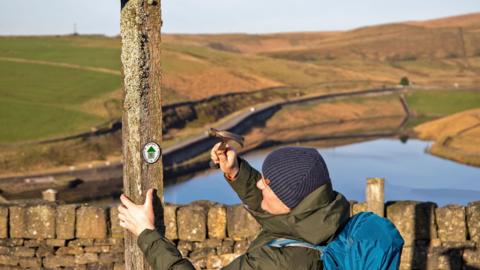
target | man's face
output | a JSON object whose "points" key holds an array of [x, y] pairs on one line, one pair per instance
{"points": [[270, 202]]}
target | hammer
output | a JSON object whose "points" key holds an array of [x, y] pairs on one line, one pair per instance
{"points": [[225, 137]]}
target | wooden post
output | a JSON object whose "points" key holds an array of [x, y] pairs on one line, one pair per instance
{"points": [[374, 196], [50, 195], [140, 25]]}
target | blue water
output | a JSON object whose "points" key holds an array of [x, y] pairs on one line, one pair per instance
{"points": [[409, 172]]}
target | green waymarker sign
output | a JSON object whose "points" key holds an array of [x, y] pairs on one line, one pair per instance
{"points": [[151, 152]]}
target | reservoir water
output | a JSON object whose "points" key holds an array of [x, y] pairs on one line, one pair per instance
{"points": [[410, 174]]}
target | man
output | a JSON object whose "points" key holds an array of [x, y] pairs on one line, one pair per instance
{"points": [[293, 199]]}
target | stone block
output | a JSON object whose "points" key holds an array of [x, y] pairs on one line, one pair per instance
{"points": [[69, 250], [201, 253], [100, 266], [80, 242], [217, 222], [58, 261], [5, 250], [458, 245], [444, 258], [117, 248], [115, 228], [3, 222], [44, 250], [473, 221], [208, 243], [241, 247], [192, 223], [112, 257], [86, 258], [119, 266], [228, 258], [226, 247], [358, 208], [23, 251], [414, 257], [108, 241], [97, 249], [170, 219], [30, 262], [199, 263], [184, 247], [9, 260], [240, 224], [414, 220], [34, 242], [11, 242], [65, 221], [451, 223], [214, 261], [471, 257], [55, 242], [90, 222], [37, 222]]}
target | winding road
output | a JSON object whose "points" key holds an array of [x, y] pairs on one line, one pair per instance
{"points": [[112, 171]]}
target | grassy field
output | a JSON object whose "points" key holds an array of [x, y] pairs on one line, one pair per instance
{"points": [[40, 101], [441, 103], [84, 51]]}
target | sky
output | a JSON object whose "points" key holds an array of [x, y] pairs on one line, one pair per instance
{"points": [[56, 17]]}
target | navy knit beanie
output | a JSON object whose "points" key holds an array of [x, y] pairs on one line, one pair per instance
{"points": [[294, 172]]}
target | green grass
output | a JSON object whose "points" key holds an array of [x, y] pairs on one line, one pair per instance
{"points": [[22, 121], [39, 101], [52, 85], [415, 121], [84, 51], [441, 103]]}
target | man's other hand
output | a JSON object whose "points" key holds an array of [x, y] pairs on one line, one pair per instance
{"points": [[227, 159], [136, 217]]}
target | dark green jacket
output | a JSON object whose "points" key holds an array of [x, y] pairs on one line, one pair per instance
{"points": [[316, 220]]}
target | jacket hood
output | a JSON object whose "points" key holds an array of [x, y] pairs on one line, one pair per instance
{"points": [[315, 220]]}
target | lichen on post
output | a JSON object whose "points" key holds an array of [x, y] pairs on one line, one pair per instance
{"points": [[140, 26]]}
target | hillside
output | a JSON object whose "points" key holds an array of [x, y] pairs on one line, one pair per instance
{"points": [[456, 137], [57, 86], [438, 52]]}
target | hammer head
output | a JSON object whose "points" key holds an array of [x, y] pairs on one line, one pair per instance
{"points": [[226, 136]]}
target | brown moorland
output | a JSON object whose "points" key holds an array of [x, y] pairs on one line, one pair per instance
{"points": [[456, 137], [437, 52]]}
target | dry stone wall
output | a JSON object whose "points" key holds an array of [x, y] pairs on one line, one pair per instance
{"points": [[211, 235]]}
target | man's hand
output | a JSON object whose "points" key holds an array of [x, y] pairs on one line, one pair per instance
{"points": [[227, 159], [136, 217]]}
